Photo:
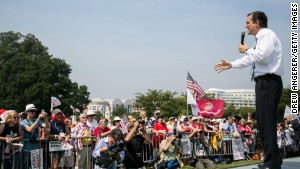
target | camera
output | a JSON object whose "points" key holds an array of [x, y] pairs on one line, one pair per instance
{"points": [[24, 115], [107, 157], [142, 122]]}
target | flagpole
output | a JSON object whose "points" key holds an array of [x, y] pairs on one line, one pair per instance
{"points": [[187, 109], [51, 107]]}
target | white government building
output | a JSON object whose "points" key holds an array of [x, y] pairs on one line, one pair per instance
{"points": [[107, 106], [236, 97]]}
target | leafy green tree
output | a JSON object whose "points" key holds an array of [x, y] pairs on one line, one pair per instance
{"points": [[119, 111], [29, 74], [229, 111], [168, 102], [243, 111]]}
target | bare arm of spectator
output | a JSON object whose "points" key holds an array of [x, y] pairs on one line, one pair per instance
{"points": [[167, 145], [193, 133], [46, 123], [132, 131], [30, 128], [68, 134], [208, 131], [145, 135], [2, 126], [20, 135], [47, 133], [105, 134]]}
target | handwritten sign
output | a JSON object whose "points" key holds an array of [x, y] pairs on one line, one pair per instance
{"points": [[55, 146], [237, 148], [36, 159], [58, 146]]}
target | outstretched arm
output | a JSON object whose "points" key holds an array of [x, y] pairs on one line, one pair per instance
{"points": [[224, 65]]}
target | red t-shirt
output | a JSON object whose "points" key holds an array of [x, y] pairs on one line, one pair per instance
{"points": [[157, 127], [97, 130], [246, 128], [187, 127]]}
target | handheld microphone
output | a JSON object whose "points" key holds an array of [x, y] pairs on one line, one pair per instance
{"points": [[242, 37]]}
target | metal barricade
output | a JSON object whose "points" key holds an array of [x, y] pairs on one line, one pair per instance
{"points": [[224, 146], [45, 153]]}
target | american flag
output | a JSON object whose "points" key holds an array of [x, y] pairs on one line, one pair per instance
{"points": [[124, 127], [55, 102], [193, 85]]}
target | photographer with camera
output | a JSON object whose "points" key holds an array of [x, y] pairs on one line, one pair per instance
{"points": [[109, 150], [168, 150], [30, 127], [134, 145]]}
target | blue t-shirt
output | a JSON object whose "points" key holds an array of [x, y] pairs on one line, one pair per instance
{"points": [[29, 145]]}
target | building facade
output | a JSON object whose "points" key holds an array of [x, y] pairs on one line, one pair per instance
{"points": [[107, 106], [236, 97]]}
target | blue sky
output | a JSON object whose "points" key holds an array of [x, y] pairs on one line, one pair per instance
{"points": [[118, 48]]}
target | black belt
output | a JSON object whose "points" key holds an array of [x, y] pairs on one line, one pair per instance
{"points": [[267, 76], [86, 146]]}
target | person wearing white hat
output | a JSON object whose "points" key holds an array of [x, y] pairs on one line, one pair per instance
{"points": [[117, 124], [91, 121], [30, 127]]}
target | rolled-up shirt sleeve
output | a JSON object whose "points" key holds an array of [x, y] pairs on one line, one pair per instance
{"points": [[243, 62], [262, 52], [122, 156], [100, 144]]}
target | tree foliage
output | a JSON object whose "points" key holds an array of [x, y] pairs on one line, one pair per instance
{"points": [[169, 103], [28, 74], [119, 111], [172, 105]]}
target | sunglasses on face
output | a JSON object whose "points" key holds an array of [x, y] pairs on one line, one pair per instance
{"points": [[16, 117]]}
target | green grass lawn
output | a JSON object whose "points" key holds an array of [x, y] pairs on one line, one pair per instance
{"points": [[233, 164]]}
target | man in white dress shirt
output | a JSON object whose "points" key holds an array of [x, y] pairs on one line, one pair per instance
{"points": [[266, 60]]}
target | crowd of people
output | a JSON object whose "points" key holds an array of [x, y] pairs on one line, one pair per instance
{"points": [[132, 142]]}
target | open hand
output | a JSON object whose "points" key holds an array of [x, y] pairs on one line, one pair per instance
{"points": [[224, 65]]}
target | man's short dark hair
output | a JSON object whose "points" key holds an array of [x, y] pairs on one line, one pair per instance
{"points": [[117, 134], [261, 17]]}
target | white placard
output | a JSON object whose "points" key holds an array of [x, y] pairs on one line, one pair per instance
{"points": [[55, 146], [36, 159], [59, 146], [237, 149]]}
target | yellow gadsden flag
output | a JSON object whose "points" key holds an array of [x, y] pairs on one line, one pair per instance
{"points": [[214, 142]]}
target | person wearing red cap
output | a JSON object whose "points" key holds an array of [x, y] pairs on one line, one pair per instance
{"points": [[58, 130]]}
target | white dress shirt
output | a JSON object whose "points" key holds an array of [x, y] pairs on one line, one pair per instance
{"points": [[266, 54]]}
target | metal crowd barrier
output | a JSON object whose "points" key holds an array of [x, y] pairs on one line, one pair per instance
{"points": [[45, 154], [225, 148], [48, 156]]}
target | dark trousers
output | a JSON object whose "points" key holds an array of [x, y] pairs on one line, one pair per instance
{"points": [[268, 90]]}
